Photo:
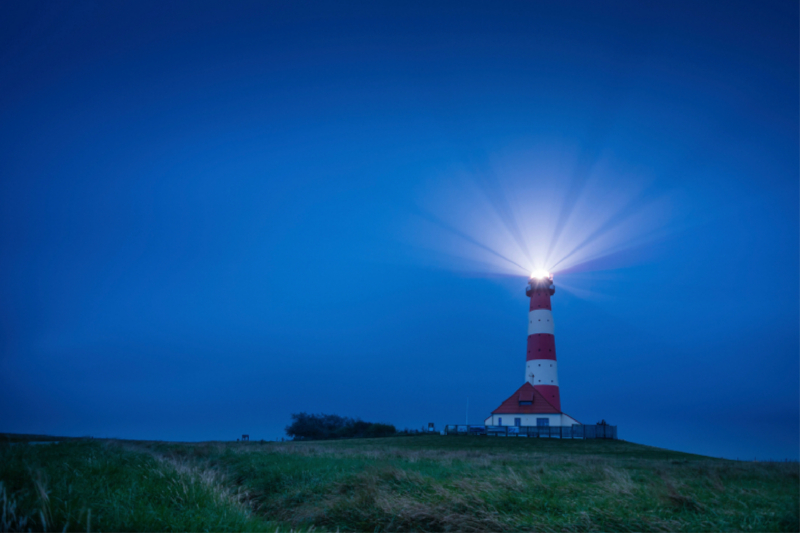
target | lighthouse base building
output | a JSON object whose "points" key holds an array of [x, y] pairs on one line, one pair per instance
{"points": [[528, 407], [538, 401]]}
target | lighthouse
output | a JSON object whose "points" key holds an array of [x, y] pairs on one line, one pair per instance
{"points": [[538, 401]]}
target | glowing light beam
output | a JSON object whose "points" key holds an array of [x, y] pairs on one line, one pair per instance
{"points": [[540, 214]]}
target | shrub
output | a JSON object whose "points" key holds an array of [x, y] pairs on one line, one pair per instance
{"points": [[322, 427]]}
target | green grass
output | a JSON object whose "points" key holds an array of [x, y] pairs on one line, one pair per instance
{"points": [[86, 485], [429, 483]]}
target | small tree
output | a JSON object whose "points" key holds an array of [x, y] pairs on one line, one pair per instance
{"points": [[320, 427]]}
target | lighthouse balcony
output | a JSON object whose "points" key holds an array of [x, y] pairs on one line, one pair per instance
{"points": [[534, 288]]}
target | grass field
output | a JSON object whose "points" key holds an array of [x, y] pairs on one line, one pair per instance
{"points": [[430, 483]]}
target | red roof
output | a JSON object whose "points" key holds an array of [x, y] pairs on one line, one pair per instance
{"points": [[526, 393]]}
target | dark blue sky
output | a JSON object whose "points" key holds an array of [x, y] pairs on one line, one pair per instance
{"points": [[209, 215]]}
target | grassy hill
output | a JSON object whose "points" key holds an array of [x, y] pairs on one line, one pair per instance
{"points": [[430, 483]]}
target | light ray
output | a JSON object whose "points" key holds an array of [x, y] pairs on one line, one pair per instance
{"points": [[540, 212]]}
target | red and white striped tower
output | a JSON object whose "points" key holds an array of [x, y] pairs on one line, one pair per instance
{"points": [[537, 402], [541, 367]]}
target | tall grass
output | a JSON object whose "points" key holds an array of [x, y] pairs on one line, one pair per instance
{"points": [[429, 483], [81, 486]]}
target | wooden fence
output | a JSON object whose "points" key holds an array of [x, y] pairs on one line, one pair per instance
{"points": [[577, 431]]}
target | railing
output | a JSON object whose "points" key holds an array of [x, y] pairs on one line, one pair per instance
{"points": [[576, 431]]}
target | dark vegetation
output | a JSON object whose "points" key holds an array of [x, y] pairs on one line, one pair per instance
{"points": [[426, 483], [324, 427]]}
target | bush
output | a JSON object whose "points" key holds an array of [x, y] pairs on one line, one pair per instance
{"points": [[322, 427]]}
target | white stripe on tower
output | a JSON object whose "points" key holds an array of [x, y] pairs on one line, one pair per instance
{"points": [[540, 321], [542, 372]]}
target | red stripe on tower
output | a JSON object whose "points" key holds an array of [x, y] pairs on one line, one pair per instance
{"points": [[541, 367], [541, 346], [540, 297]]}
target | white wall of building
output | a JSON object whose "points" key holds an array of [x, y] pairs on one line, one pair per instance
{"points": [[529, 420], [567, 420]]}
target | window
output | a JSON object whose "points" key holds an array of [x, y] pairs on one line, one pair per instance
{"points": [[500, 421], [543, 422], [518, 422], [523, 402]]}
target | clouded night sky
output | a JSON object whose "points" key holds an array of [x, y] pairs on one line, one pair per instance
{"points": [[218, 214]]}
